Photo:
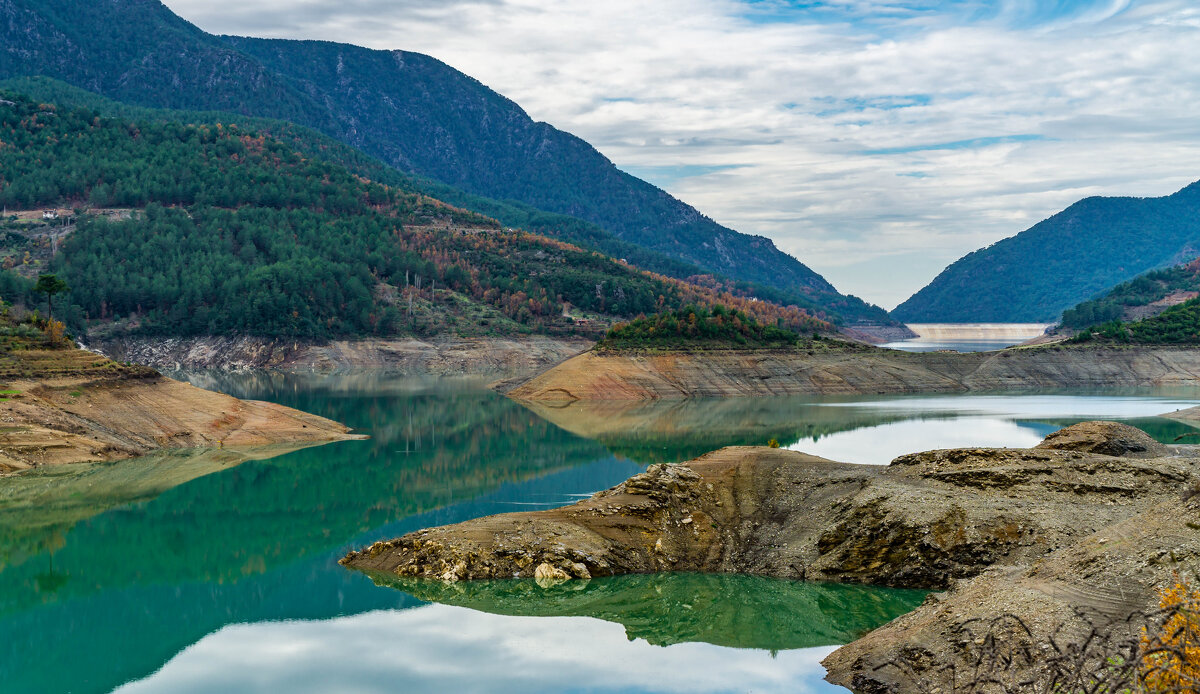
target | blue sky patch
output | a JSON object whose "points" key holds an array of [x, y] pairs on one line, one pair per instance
{"points": [[973, 143]]}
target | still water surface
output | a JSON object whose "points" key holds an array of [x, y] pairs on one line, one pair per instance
{"points": [[206, 572]]}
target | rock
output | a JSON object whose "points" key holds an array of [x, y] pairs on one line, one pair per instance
{"points": [[1105, 438], [547, 575], [923, 522], [1061, 619], [443, 356]]}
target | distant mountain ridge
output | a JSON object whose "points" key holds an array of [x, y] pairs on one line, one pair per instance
{"points": [[407, 109], [1071, 257]]}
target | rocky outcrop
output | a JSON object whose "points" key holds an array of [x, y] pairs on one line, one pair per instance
{"points": [[922, 522], [1105, 438], [459, 356], [854, 369], [1072, 621], [1089, 523], [72, 406]]}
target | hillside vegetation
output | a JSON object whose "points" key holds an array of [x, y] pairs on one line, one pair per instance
{"points": [[693, 327], [1086, 249], [1178, 325], [410, 111], [230, 230], [1141, 297]]}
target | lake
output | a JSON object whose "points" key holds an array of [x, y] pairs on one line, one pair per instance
{"points": [[207, 572], [967, 337]]}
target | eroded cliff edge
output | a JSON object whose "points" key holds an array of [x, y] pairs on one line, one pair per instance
{"points": [[71, 406], [831, 367], [969, 520]]}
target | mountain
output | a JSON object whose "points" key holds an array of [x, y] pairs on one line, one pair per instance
{"points": [[1177, 325], [409, 110], [311, 143], [161, 227], [1083, 250], [1141, 297]]}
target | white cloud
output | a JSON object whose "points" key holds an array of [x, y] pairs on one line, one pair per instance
{"points": [[1098, 100]]}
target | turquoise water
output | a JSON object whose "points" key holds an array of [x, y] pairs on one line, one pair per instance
{"points": [[200, 572]]}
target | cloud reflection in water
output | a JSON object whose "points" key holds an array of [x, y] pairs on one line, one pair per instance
{"points": [[438, 648]]}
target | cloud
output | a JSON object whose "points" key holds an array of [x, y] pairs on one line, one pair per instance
{"points": [[803, 121]]}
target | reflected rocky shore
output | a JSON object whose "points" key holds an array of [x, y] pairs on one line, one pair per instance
{"points": [[732, 610]]}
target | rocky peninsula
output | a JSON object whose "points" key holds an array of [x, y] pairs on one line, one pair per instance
{"points": [[1092, 518], [834, 367], [67, 405]]}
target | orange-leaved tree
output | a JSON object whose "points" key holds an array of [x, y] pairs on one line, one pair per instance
{"points": [[1171, 655]]}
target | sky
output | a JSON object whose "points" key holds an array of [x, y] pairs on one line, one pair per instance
{"points": [[875, 140]]}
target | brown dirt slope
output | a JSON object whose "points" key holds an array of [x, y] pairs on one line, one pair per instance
{"points": [[70, 406], [854, 370]]}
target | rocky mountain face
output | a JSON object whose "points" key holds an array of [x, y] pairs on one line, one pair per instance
{"points": [[409, 110], [1076, 254]]}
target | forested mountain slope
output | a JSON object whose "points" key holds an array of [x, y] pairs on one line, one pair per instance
{"points": [[408, 109], [1141, 297], [1083, 250], [224, 230], [312, 143]]}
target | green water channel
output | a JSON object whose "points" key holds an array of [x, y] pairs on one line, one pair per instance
{"points": [[212, 571]]}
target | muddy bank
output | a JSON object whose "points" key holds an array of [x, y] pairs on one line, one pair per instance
{"points": [[854, 369], [462, 356], [1004, 530], [72, 406]]}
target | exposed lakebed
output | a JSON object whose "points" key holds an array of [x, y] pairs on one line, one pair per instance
{"points": [[229, 582]]}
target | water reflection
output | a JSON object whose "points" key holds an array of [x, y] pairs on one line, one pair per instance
{"points": [[665, 609], [857, 429], [452, 649], [202, 560]]}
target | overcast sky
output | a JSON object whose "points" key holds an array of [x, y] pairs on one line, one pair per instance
{"points": [[875, 140]]}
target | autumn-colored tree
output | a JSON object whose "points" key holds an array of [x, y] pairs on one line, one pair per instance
{"points": [[1171, 654]]}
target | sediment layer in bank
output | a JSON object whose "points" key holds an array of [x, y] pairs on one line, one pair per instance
{"points": [[71, 406], [496, 356], [855, 369]]}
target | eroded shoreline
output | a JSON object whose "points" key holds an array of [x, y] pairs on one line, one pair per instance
{"points": [[967, 521], [71, 406], [848, 369]]}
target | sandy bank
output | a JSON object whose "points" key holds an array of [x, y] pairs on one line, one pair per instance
{"points": [[854, 369]]}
